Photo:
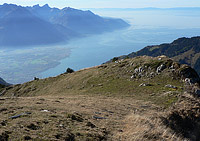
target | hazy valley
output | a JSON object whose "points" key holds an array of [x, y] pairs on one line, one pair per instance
{"points": [[144, 31], [28, 26]]}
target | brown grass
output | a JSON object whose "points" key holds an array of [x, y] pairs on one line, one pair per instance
{"points": [[146, 127], [76, 101]]}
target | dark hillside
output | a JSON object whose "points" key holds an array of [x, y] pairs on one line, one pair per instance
{"points": [[184, 50]]}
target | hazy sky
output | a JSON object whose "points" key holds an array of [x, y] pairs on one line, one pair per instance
{"points": [[108, 3]]}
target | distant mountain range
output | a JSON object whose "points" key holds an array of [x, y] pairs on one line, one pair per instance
{"points": [[24, 26], [184, 50], [146, 8]]}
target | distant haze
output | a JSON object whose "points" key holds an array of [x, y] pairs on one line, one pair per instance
{"points": [[109, 3], [148, 27], [27, 26]]}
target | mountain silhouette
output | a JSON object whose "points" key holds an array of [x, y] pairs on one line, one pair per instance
{"points": [[25, 26]]}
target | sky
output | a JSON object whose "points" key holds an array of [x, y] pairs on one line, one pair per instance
{"points": [[108, 3]]}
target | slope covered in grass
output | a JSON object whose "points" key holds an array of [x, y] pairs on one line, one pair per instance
{"points": [[128, 99]]}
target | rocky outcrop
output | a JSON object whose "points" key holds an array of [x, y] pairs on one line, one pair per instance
{"points": [[189, 74], [183, 50]]}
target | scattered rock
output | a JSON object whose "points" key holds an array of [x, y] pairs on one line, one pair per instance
{"points": [[45, 122], [187, 72], [187, 81], [161, 57], [54, 116], [152, 74], [33, 126], [3, 109], [20, 115], [58, 136], [197, 92], [70, 137], [144, 85], [160, 68], [27, 138], [96, 117], [133, 76], [97, 113], [136, 70], [90, 125], [75, 117], [78, 134], [3, 123], [140, 75], [100, 84], [145, 106], [45, 111], [57, 101], [171, 86], [3, 92], [171, 67], [60, 125], [140, 69], [42, 99], [4, 136]]}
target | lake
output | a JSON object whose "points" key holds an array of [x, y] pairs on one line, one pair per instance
{"points": [[148, 27]]}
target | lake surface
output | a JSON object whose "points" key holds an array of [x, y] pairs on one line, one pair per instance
{"points": [[148, 27]]}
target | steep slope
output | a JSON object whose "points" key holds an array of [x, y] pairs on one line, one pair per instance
{"points": [[84, 22], [183, 50], [129, 99], [47, 13]]}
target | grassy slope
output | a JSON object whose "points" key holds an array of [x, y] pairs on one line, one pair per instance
{"points": [[130, 112], [112, 79]]}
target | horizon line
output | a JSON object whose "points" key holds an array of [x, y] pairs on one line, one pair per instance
{"points": [[41, 5]]}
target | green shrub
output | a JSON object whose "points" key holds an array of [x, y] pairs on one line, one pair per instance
{"points": [[69, 70]]}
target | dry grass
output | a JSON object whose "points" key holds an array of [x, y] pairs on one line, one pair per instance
{"points": [[123, 118], [98, 103], [58, 119], [112, 79], [146, 127]]}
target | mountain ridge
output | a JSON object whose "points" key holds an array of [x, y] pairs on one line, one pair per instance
{"points": [[3, 83], [28, 26], [183, 50]]}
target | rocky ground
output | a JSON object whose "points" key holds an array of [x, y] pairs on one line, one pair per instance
{"points": [[68, 118]]}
